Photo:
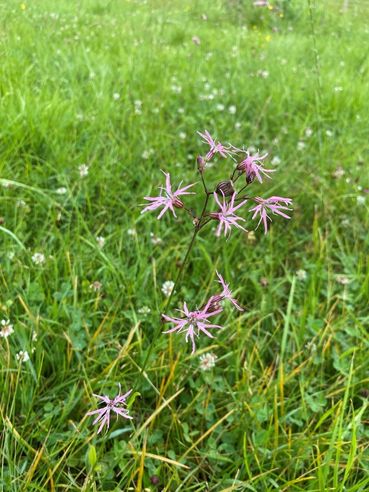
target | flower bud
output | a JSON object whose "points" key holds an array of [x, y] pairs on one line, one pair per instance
{"points": [[201, 163], [225, 187], [177, 202]]}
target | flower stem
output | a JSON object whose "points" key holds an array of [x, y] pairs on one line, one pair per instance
{"points": [[179, 275]]}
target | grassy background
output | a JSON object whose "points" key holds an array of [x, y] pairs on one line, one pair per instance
{"points": [[286, 406]]}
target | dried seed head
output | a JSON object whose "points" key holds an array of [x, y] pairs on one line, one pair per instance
{"points": [[225, 187]]}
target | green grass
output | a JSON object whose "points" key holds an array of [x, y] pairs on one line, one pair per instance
{"points": [[286, 406]]}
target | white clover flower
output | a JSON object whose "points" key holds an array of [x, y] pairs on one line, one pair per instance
{"points": [[220, 107], [207, 361], [38, 258], [237, 125], [144, 310], [329, 133], [96, 286], [308, 132], [167, 288], [61, 191], [22, 356], [182, 135], [360, 200], [155, 239], [232, 109], [342, 279], [339, 172], [131, 232], [116, 96], [276, 160], [301, 145], [301, 275], [6, 329], [83, 170], [100, 241]]}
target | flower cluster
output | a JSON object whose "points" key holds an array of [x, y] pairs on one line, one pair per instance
{"points": [[227, 201], [193, 323]]}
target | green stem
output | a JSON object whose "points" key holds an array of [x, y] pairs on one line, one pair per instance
{"points": [[179, 275]]}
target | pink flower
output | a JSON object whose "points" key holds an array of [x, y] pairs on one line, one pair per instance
{"points": [[215, 147], [116, 405], [226, 215], [272, 204], [227, 294], [253, 170], [170, 200], [194, 322]]}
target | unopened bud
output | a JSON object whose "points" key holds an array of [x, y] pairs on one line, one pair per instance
{"points": [[201, 163], [225, 187], [177, 202]]}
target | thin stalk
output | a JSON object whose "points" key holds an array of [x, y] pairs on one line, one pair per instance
{"points": [[179, 275]]}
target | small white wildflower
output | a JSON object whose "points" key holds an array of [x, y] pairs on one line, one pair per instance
{"points": [[181, 110], [182, 135], [83, 170], [301, 145], [38, 258], [177, 89], [264, 74], [301, 275], [207, 361], [342, 279], [22, 356], [6, 329], [196, 40], [144, 310], [329, 133], [100, 241], [34, 336], [96, 286], [276, 160], [21, 203], [131, 232], [11, 255], [7, 184], [167, 288], [220, 107], [339, 172], [237, 125], [232, 109], [61, 191], [147, 153], [360, 200], [155, 239], [308, 132], [338, 89], [311, 346], [116, 96]]}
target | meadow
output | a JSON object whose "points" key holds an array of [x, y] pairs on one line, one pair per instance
{"points": [[99, 96]]}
